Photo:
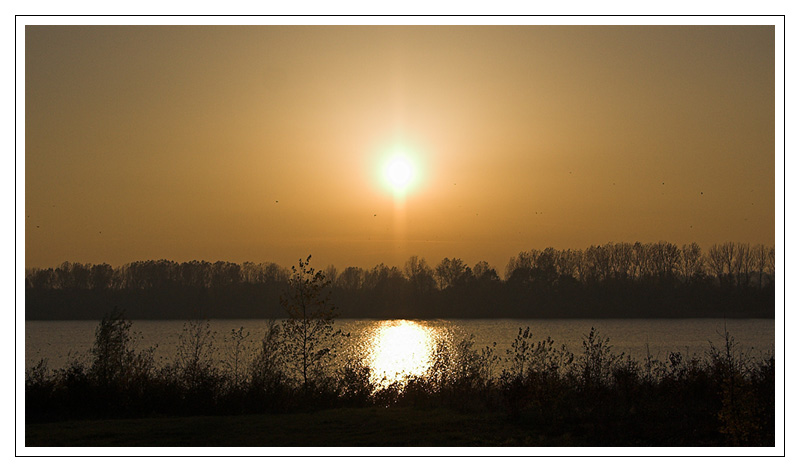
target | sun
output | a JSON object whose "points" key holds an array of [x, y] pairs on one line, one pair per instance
{"points": [[399, 172]]}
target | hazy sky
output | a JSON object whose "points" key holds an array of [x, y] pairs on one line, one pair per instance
{"points": [[268, 143]]}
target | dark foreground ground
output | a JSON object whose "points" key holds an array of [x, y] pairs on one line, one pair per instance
{"points": [[348, 427], [345, 427]]}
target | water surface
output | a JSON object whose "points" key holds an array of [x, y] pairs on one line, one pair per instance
{"points": [[393, 348]]}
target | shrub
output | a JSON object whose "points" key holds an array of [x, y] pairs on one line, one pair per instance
{"points": [[597, 361], [195, 370], [268, 383], [726, 397]]}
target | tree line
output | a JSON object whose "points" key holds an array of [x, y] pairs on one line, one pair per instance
{"points": [[610, 280]]}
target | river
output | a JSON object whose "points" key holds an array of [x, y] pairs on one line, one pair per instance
{"points": [[391, 347]]}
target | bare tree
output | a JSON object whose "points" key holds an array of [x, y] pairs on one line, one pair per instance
{"points": [[743, 264], [621, 260], [484, 272], [419, 274], [728, 254], [310, 340], [352, 278], [665, 258], [771, 262], [331, 273], [598, 259], [524, 260], [716, 262], [691, 262], [451, 272], [760, 255], [641, 263], [567, 262]]}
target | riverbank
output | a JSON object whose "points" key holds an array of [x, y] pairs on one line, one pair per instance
{"points": [[543, 396], [355, 427], [344, 427]]}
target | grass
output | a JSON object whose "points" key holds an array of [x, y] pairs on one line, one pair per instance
{"points": [[343, 427]]}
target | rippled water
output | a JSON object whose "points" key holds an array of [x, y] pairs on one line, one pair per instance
{"points": [[393, 348]]}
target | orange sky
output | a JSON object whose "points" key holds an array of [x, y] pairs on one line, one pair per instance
{"points": [[267, 143]]}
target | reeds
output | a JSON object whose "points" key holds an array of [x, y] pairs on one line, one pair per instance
{"points": [[726, 397]]}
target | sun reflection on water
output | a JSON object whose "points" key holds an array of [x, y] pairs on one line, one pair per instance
{"points": [[399, 349]]}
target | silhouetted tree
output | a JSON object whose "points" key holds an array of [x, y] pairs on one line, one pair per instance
{"points": [[525, 260], [420, 275], [760, 262], [331, 273], [567, 262], [120, 373], [451, 273], [309, 338], [484, 273], [195, 357], [691, 262], [351, 279], [621, 260], [614, 278], [743, 264], [665, 258]]}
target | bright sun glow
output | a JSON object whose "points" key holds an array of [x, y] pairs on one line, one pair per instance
{"points": [[399, 349], [399, 173]]}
